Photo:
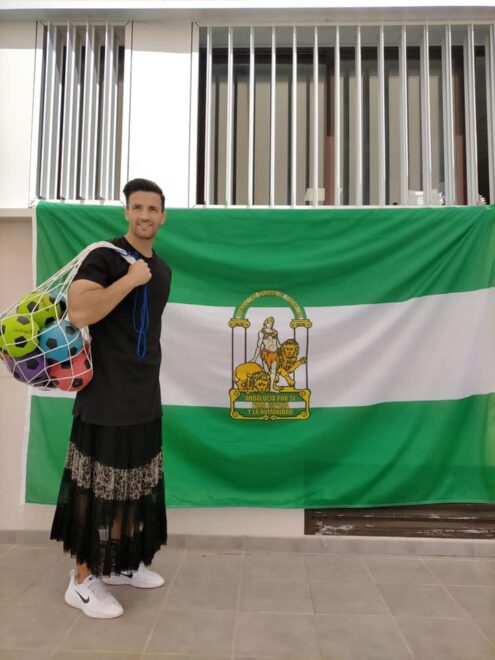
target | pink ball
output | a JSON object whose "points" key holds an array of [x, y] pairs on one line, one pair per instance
{"points": [[74, 374]]}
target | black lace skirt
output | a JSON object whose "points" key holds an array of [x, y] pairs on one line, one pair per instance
{"points": [[110, 512]]}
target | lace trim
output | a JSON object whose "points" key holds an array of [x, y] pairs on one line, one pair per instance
{"points": [[110, 483]]}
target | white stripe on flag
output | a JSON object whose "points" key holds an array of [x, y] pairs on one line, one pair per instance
{"points": [[429, 348]]}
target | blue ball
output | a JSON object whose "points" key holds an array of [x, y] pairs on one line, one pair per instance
{"points": [[60, 341]]}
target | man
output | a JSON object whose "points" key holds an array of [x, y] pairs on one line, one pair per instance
{"points": [[110, 513]]}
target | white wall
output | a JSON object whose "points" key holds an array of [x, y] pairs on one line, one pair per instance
{"points": [[160, 108], [17, 59]]}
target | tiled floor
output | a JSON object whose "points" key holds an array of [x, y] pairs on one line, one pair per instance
{"points": [[246, 605]]}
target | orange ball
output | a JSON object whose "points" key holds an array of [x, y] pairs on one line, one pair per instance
{"points": [[74, 374]]}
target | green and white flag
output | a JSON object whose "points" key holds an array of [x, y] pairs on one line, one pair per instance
{"points": [[311, 358]]}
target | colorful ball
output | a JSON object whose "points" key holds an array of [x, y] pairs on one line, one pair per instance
{"points": [[74, 374], [29, 369], [41, 306], [57, 298], [60, 341], [17, 335]]}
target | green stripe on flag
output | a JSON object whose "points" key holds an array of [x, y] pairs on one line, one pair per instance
{"points": [[319, 257], [391, 453], [49, 430]]}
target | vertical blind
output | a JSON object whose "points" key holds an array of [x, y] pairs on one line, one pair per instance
{"points": [[346, 115], [80, 142]]}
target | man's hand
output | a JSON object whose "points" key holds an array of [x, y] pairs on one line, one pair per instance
{"points": [[89, 302], [139, 273]]}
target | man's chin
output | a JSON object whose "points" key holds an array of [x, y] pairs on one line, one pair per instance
{"points": [[146, 233]]}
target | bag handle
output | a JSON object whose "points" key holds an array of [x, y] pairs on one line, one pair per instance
{"points": [[62, 279], [70, 269]]}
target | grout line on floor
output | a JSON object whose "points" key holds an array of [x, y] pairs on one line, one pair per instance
{"points": [[490, 641], [393, 619], [162, 606], [237, 605], [66, 634]]}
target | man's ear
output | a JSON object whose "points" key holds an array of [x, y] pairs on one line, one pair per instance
{"points": [[164, 217]]}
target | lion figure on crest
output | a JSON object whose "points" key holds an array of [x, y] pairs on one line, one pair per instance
{"points": [[287, 360], [250, 376]]}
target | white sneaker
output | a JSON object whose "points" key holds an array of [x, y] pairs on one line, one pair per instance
{"points": [[143, 578], [92, 598]]}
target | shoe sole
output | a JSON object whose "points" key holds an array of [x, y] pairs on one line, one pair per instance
{"points": [[121, 581]]}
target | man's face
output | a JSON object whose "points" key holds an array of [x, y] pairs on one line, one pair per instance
{"points": [[144, 214]]}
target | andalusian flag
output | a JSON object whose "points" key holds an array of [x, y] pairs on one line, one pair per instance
{"points": [[311, 358]]}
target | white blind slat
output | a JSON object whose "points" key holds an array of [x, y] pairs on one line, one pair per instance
{"points": [[425, 115], [448, 117]]}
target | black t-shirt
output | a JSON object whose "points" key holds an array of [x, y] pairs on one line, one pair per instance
{"points": [[125, 388]]}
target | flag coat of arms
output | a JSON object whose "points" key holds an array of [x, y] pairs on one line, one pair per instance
{"points": [[311, 358]]}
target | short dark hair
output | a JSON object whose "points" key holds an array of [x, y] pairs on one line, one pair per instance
{"points": [[142, 185]]}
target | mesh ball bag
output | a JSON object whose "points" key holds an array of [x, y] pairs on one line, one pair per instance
{"points": [[38, 344]]}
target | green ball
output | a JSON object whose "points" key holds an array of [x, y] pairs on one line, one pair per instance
{"points": [[41, 306], [17, 335]]}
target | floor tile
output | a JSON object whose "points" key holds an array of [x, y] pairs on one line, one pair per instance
{"points": [[347, 598], [29, 557], [94, 655], [202, 594], [181, 656], [445, 639], [5, 547], [14, 582], [461, 571], [360, 638], [176, 541], [487, 626], [211, 565], [35, 627], [284, 545], [47, 589], [479, 602], [210, 543], [273, 566], [337, 568], [420, 600], [167, 561], [276, 594], [133, 599], [24, 654], [277, 636], [203, 632], [258, 595], [63, 564], [127, 634], [398, 570]]}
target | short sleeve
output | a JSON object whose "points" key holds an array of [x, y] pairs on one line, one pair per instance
{"points": [[102, 266]]}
